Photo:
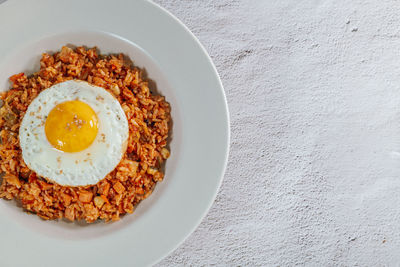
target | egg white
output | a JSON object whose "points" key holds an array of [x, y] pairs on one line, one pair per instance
{"points": [[86, 167]]}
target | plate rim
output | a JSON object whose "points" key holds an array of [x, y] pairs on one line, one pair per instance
{"points": [[228, 140]]}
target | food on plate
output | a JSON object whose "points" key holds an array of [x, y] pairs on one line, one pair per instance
{"points": [[82, 138], [73, 133]]}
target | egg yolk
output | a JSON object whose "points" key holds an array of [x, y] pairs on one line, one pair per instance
{"points": [[71, 126]]}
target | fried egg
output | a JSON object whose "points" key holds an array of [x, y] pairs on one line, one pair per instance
{"points": [[73, 133]]}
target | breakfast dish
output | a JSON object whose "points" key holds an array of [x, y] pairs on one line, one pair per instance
{"points": [[82, 138]]}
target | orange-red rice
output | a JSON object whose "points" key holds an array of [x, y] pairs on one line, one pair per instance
{"points": [[138, 172]]}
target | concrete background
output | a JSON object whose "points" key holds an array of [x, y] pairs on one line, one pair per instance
{"points": [[314, 96]]}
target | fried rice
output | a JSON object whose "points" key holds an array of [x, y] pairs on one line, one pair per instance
{"points": [[134, 177]]}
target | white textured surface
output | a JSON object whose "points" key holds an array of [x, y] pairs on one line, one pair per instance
{"points": [[314, 95]]}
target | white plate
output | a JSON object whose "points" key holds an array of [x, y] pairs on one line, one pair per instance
{"points": [[183, 72]]}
